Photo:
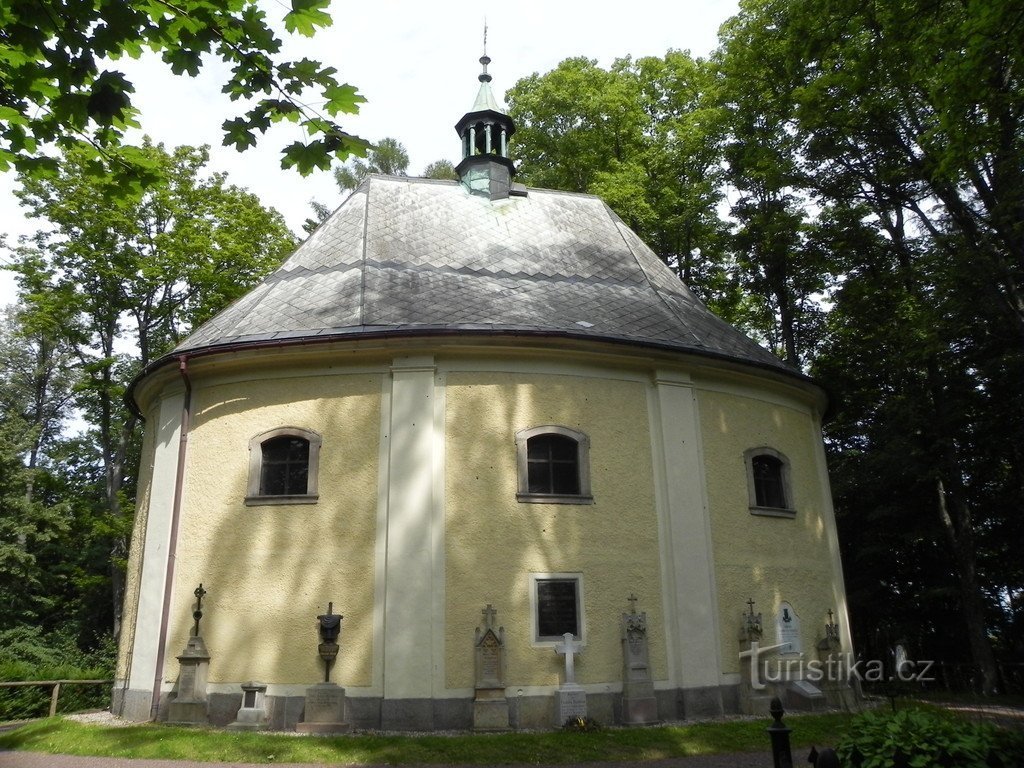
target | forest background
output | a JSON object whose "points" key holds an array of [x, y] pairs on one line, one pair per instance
{"points": [[843, 181]]}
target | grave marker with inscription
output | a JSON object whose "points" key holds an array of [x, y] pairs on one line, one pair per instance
{"points": [[572, 699], [639, 707], [490, 707], [787, 625], [325, 702], [189, 707]]}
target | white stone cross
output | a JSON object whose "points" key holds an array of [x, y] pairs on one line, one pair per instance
{"points": [[569, 647]]}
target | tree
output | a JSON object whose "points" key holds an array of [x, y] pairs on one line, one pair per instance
{"points": [[123, 283], [440, 169], [388, 157], [34, 400], [645, 136], [56, 89], [913, 168]]}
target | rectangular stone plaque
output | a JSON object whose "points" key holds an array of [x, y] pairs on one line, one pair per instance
{"points": [[787, 625], [571, 704]]}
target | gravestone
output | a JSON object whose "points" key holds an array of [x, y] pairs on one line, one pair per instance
{"points": [[572, 699], [755, 696], [787, 627], [325, 702], [252, 715], [190, 705], [490, 707], [838, 684], [639, 706]]}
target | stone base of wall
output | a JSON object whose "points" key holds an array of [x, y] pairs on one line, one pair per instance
{"points": [[363, 713]]}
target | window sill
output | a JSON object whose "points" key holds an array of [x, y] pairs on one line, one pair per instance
{"points": [[773, 512], [269, 501], [552, 498]]}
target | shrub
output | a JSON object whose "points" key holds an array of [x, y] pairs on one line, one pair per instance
{"points": [[921, 738], [581, 725], [27, 654]]}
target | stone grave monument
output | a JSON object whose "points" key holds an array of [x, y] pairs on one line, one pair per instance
{"points": [[325, 702], [800, 693], [190, 706], [838, 691], [252, 715], [490, 707], [572, 699], [639, 707], [755, 697]]}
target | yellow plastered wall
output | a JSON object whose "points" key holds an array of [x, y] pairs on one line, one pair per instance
{"points": [[133, 568], [270, 570], [767, 559], [493, 542]]}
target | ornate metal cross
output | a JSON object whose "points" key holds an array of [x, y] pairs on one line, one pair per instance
{"points": [[197, 614], [489, 613]]}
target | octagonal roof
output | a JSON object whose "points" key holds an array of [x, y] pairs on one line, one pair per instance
{"points": [[408, 256]]}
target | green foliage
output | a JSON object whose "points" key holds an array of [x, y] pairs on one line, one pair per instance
{"points": [[924, 738], [388, 157], [556, 747], [644, 135], [440, 169], [29, 653], [57, 91], [581, 724], [114, 285]]}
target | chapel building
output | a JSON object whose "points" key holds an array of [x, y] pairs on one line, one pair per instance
{"points": [[466, 396]]}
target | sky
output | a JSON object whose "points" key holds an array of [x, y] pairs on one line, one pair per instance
{"points": [[415, 62]]}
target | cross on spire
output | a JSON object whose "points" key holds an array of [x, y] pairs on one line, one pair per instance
{"points": [[632, 602], [489, 613], [750, 602]]}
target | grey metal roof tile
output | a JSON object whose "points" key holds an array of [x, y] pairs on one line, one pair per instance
{"points": [[408, 255]]}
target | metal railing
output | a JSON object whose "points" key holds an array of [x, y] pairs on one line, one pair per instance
{"points": [[55, 687]]}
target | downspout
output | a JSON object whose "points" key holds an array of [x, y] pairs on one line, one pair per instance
{"points": [[172, 546]]}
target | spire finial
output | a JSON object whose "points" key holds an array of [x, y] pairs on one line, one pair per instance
{"points": [[485, 59]]}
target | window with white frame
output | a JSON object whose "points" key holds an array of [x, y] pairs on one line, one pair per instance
{"points": [[556, 601], [768, 484], [283, 467], [553, 465]]}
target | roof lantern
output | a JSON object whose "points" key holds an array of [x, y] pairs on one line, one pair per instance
{"points": [[485, 131]]}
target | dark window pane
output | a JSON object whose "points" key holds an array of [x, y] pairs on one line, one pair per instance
{"points": [[557, 608], [539, 477], [285, 468], [768, 488], [565, 478], [563, 448], [553, 465], [274, 481]]}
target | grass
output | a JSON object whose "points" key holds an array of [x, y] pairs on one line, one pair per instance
{"points": [[60, 736]]}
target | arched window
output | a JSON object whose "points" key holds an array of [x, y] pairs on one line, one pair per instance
{"points": [[553, 465], [768, 482], [283, 467]]}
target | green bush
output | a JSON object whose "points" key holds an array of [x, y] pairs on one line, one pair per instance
{"points": [[922, 738], [26, 654]]}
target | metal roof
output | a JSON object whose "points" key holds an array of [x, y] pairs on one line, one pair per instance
{"points": [[414, 256]]}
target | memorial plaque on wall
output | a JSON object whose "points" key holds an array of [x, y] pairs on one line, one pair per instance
{"points": [[556, 608]]}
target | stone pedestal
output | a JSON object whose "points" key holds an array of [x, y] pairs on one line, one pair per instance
{"points": [[836, 685], [252, 715], [755, 695], [490, 710], [325, 710], [490, 707], [570, 703], [189, 707], [639, 706]]}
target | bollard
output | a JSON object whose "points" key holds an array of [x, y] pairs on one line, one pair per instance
{"points": [[779, 733]]}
